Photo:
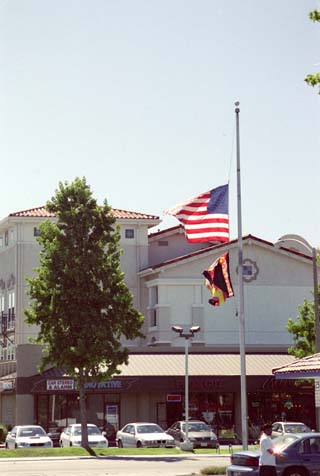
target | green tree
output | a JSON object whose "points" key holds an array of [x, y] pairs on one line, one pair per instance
{"points": [[303, 331], [314, 79], [79, 298]]}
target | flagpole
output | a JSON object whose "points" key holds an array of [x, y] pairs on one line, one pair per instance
{"points": [[244, 420]]}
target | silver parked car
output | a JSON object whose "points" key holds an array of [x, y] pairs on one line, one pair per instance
{"points": [[139, 435], [28, 436], [71, 436], [281, 427], [199, 433], [297, 454]]}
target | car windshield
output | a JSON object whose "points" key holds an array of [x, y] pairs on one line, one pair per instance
{"points": [[196, 427], [283, 441], [295, 428], [32, 431], [92, 430], [149, 429]]}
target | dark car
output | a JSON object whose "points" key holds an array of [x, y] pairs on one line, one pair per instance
{"points": [[297, 454], [54, 433], [199, 433]]}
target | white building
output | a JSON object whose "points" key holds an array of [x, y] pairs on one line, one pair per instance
{"points": [[164, 273]]}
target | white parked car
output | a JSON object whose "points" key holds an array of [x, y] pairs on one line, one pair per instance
{"points": [[281, 427], [71, 436], [139, 435], [28, 436]]}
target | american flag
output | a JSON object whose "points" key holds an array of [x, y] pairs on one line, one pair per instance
{"points": [[205, 217]]}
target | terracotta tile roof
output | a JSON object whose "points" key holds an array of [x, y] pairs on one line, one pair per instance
{"points": [[306, 367], [41, 212]]}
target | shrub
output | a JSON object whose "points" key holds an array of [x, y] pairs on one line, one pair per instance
{"points": [[214, 470], [3, 432]]}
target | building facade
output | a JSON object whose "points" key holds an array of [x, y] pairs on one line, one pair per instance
{"points": [[164, 274]]}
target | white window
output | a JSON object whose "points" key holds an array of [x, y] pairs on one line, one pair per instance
{"points": [[163, 243], [129, 233], [153, 303], [11, 312], [11, 350]]}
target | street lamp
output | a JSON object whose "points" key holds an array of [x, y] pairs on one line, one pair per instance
{"points": [[187, 334], [302, 242]]}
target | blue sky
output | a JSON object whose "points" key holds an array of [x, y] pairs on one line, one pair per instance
{"points": [[138, 97]]}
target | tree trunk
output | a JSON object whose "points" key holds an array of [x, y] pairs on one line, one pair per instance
{"points": [[83, 416]]}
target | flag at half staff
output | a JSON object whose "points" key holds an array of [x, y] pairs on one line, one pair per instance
{"points": [[205, 217], [218, 280]]}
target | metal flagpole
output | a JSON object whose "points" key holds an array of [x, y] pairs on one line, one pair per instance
{"points": [[244, 420]]}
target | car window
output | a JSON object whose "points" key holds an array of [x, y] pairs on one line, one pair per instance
{"points": [[77, 430], [93, 430], [149, 429], [281, 442], [310, 446], [127, 429], [31, 431], [295, 428], [198, 426]]}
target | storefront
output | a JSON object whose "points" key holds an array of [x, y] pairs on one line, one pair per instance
{"points": [[214, 399], [152, 388]]}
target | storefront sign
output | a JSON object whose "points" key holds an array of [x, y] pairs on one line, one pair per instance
{"points": [[6, 385], [110, 384], [60, 384], [173, 398]]}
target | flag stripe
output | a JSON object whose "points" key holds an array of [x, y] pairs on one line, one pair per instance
{"points": [[205, 217]]}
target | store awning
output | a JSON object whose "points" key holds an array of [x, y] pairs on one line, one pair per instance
{"points": [[307, 367], [202, 364]]}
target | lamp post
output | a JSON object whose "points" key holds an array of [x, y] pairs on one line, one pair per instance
{"points": [[302, 242], [187, 334]]}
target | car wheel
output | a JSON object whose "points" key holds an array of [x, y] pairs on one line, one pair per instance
{"points": [[139, 445], [295, 472], [120, 444]]}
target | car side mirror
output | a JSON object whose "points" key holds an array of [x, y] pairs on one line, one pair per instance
{"points": [[104, 433]]}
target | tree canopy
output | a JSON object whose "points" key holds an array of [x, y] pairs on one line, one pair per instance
{"points": [[314, 79], [303, 331], [303, 328], [79, 298]]}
